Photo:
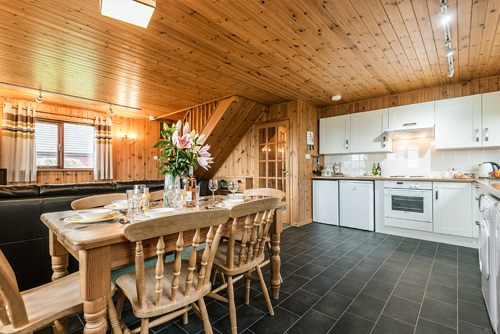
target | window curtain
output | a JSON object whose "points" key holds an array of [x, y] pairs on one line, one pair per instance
{"points": [[103, 165], [18, 143]]}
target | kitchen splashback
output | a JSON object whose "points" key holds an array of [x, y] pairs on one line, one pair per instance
{"points": [[414, 157]]}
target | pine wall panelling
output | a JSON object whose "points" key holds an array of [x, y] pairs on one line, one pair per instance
{"points": [[131, 161]]}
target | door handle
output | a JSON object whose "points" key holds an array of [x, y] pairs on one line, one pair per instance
{"points": [[477, 134], [409, 124], [437, 193], [486, 134], [347, 144], [285, 172], [477, 223]]}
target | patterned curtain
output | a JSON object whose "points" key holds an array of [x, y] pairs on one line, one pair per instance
{"points": [[18, 153], [103, 165]]}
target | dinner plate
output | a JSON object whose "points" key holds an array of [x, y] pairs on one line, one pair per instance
{"points": [[67, 220], [114, 208]]}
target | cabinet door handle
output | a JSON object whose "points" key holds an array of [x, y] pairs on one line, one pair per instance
{"points": [[347, 144], [477, 223], [437, 193], [477, 134], [486, 134], [409, 124], [383, 142]]}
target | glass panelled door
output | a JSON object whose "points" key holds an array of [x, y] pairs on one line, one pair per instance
{"points": [[272, 156]]}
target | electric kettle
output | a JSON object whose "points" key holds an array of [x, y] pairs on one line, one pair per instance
{"points": [[487, 167]]}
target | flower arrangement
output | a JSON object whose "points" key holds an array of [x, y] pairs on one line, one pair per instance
{"points": [[179, 152]]}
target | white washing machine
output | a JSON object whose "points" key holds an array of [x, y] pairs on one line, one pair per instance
{"points": [[488, 256], [497, 261]]}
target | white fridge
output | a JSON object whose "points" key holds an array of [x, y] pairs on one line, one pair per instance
{"points": [[357, 207], [326, 201]]}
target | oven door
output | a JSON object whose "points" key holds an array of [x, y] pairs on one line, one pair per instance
{"points": [[408, 204]]}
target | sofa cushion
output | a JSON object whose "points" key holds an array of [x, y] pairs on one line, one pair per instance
{"points": [[76, 189], [10, 192]]}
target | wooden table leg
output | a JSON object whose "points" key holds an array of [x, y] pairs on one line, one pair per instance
{"points": [[60, 257], [276, 229], [95, 285]]}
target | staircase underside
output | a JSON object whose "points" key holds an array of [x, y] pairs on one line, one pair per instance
{"points": [[230, 121]]}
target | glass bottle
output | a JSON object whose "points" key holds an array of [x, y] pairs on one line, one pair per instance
{"points": [[190, 189], [379, 170], [374, 169], [146, 196]]}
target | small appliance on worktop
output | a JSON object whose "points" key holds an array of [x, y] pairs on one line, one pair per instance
{"points": [[489, 169]]}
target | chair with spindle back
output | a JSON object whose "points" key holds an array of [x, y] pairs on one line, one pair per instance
{"points": [[31, 310], [171, 289], [96, 201], [240, 258], [156, 196]]}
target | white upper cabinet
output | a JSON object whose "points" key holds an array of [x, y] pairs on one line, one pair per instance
{"points": [[368, 132], [458, 123], [491, 119], [419, 115], [334, 135]]}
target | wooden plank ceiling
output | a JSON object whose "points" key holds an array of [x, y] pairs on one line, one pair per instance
{"points": [[269, 51]]}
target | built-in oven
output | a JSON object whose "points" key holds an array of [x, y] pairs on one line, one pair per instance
{"points": [[408, 200]]}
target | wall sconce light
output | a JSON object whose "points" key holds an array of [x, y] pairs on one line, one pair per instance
{"points": [[39, 98], [130, 137]]}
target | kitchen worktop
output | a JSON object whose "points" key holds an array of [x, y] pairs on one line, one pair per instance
{"points": [[378, 178]]}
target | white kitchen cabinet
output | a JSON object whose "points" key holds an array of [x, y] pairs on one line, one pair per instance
{"points": [[452, 208], [368, 132], [326, 201], [419, 115], [334, 135], [491, 119], [458, 123]]}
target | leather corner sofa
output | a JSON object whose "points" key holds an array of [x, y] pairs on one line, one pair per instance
{"points": [[23, 236]]}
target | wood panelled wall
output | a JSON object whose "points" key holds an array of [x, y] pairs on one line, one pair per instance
{"points": [[241, 162], [472, 87], [131, 161]]}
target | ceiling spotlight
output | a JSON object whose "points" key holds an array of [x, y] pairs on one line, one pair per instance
{"points": [[151, 118], [111, 110], [451, 72], [445, 18], [138, 12], [39, 98], [336, 97], [448, 51]]}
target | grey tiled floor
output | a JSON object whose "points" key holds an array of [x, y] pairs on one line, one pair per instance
{"points": [[340, 280]]}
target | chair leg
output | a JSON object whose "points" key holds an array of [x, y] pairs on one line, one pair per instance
{"points": [[247, 292], [232, 306], [185, 318], [222, 277], [145, 326], [113, 317], [119, 303], [204, 316], [214, 276], [58, 328], [264, 290]]}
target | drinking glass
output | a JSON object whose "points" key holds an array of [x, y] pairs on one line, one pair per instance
{"points": [[175, 197], [212, 186], [198, 187], [233, 186], [132, 204]]}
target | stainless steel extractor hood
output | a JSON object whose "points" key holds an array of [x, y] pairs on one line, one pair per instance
{"points": [[411, 132]]}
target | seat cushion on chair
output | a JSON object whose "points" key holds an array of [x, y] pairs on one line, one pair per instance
{"points": [[220, 260], [127, 283], [49, 302]]}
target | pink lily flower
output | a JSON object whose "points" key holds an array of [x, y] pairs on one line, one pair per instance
{"points": [[205, 161], [182, 142]]}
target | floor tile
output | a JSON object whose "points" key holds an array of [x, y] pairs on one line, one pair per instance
{"points": [[428, 327], [386, 325], [400, 256], [334, 272], [421, 267], [387, 275], [445, 268], [443, 279], [309, 271], [360, 274], [312, 322], [356, 253], [409, 291], [287, 269], [348, 287], [297, 250], [292, 283], [442, 313], [323, 261], [279, 323], [333, 304], [447, 252], [466, 328], [473, 313], [300, 302], [352, 324], [245, 316], [367, 307], [378, 289], [336, 253], [467, 251], [346, 262], [468, 269], [370, 263], [301, 260], [402, 309], [469, 280], [394, 265], [445, 259], [470, 294], [319, 285], [172, 329], [442, 293]]}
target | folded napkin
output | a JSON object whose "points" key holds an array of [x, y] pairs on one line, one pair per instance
{"points": [[111, 215]]}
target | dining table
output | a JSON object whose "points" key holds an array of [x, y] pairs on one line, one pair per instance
{"points": [[102, 247]]}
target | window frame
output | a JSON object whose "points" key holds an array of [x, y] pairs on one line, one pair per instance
{"points": [[60, 145]]}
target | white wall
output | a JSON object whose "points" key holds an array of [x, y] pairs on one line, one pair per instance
{"points": [[414, 157]]}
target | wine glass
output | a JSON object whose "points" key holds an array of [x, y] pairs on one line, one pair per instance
{"points": [[233, 186], [174, 196], [212, 186]]}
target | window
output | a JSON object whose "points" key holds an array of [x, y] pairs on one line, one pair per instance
{"points": [[63, 145]]}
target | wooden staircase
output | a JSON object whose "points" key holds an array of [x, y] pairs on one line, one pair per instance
{"points": [[224, 123]]}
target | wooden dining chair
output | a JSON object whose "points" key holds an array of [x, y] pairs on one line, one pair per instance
{"points": [[156, 196], [265, 192], [96, 201], [31, 310], [237, 260], [170, 289]]}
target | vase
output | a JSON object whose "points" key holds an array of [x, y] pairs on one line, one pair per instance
{"points": [[170, 184]]}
